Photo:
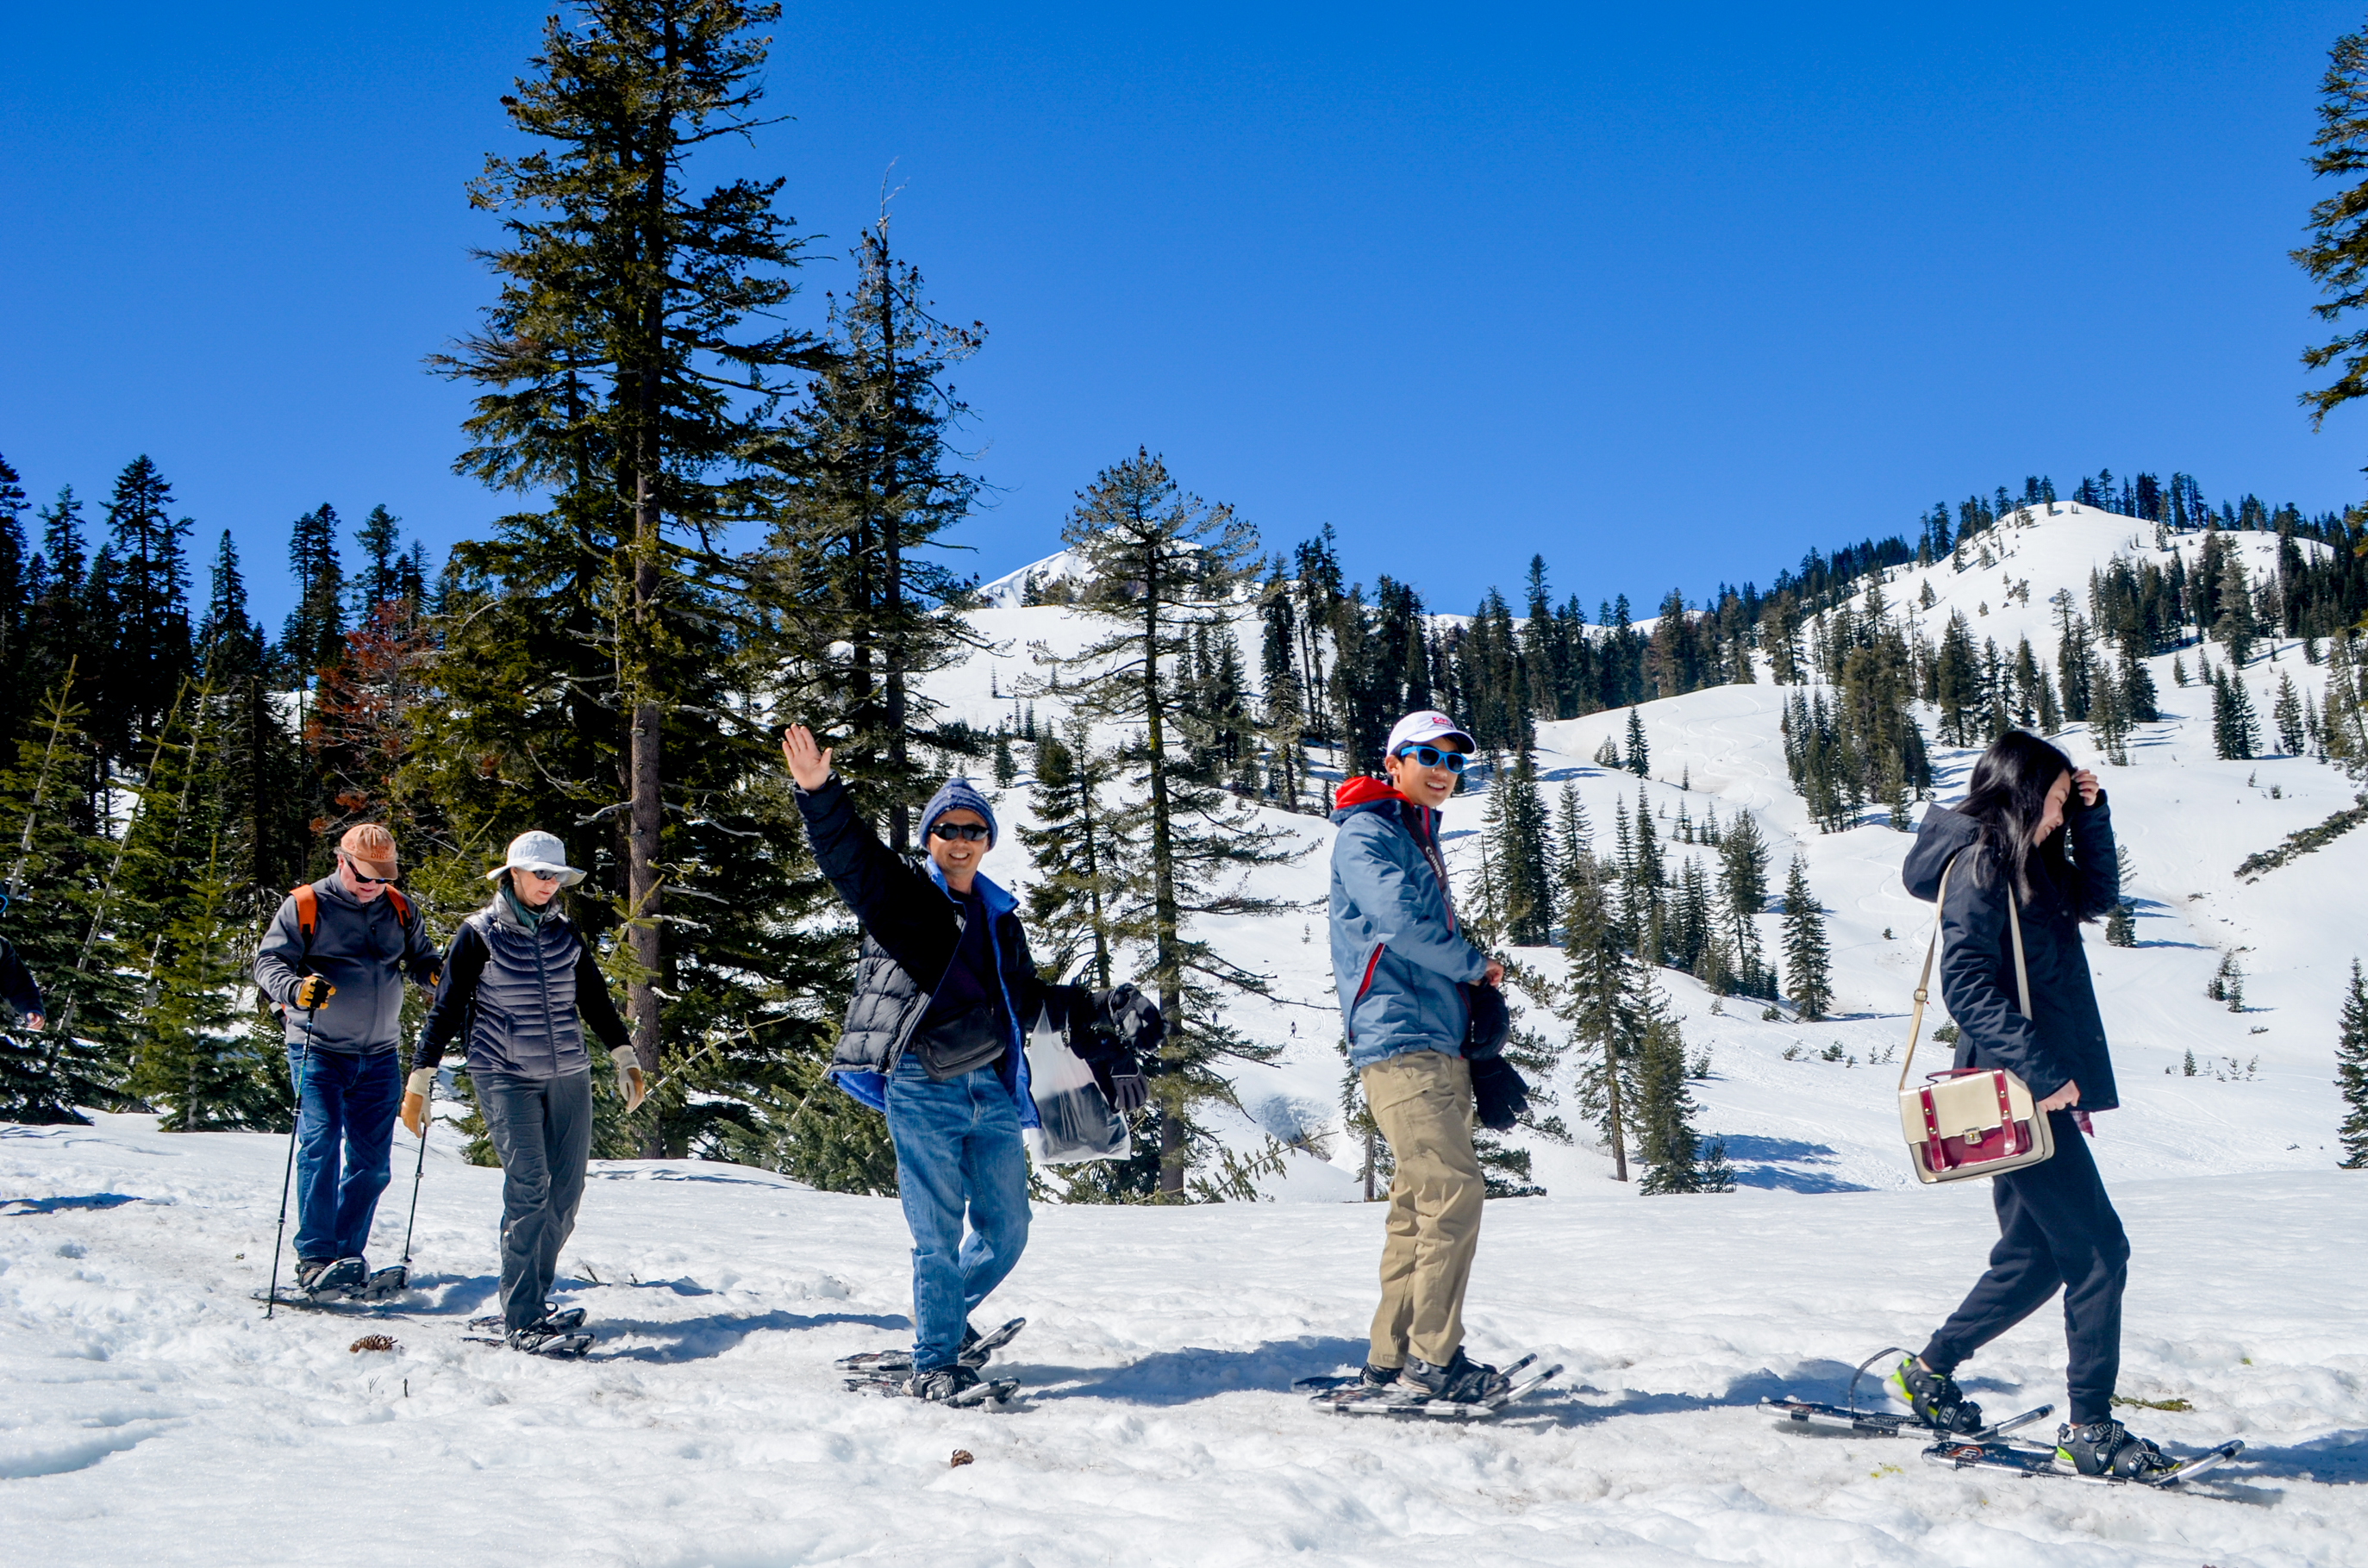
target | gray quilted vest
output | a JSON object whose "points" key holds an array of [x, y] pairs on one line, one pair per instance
{"points": [[523, 1018]]}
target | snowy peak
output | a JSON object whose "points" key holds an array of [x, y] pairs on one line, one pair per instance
{"points": [[1032, 582]]}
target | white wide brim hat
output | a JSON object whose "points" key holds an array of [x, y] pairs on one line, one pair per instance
{"points": [[538, 851]]}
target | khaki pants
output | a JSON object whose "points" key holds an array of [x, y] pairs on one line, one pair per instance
{"points": [[1422, 1102]]}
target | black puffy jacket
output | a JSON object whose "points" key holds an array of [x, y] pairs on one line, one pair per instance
{"points": [[2064, 1039], [911, 929]]}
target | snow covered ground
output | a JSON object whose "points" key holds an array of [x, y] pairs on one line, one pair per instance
{"points": [[151, 1416]]}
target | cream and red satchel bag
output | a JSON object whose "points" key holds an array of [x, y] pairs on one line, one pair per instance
{"points": [[1973, 1121]]}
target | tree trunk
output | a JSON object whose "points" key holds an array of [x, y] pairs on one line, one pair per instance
{"points": [[646, 781], [900, 809], [1611, 1094], [1163, 872]]}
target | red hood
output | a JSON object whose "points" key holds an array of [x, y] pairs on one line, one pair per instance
{"points": [[1364, 790]]}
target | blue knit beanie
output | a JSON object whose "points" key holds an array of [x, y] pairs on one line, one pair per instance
{"points": [[958, 795]]}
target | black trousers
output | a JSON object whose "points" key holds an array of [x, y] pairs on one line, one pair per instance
{"points": [[541, 1127], [2058, 1230]]}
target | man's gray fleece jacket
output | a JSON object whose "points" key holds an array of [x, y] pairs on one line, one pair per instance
{"points": [[366, 950]]}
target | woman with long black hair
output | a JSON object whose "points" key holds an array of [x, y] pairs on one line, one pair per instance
{"points": [[2036, 830]]}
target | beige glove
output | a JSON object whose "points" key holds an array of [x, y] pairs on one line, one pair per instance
{"points": [[629, 1083], [417, 1090], [312, 991]]}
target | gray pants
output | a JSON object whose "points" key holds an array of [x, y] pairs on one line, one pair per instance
{"points": [[541, 1127]]}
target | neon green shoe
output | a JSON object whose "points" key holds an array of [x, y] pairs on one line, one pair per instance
{"points": [[1934, 1397]]}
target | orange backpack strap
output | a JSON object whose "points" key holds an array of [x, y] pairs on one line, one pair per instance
{"points": [[402, 906], [308, 911]]}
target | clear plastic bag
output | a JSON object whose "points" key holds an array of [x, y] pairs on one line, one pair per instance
{"points": [[1079, 1123]]}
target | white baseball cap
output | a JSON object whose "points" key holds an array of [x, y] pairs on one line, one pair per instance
{"points": [[538, 851], [1429, 724]]}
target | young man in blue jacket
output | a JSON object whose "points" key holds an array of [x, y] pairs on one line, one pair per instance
{"points": [[1403, 967], [944, 994]]}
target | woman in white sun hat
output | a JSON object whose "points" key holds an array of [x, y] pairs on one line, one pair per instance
{"points": [[516, 978]]}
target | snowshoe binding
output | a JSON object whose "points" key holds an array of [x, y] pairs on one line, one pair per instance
{"points": [[1461, 1380], [957, 1386], [2106, 1448], [543, 1339], [977, 1349], [1935, 1398], [330, 1279], [383, 1284], [556, 1318]]}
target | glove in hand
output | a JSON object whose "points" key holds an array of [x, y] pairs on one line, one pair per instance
{"points": [[1498, 1092], [1487, 1021], [630, 1082], [417, 1091], [312, 991], [1135, 1020], [1128, 1091]]}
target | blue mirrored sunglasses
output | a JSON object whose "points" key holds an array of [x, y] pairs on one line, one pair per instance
{"points": [[1431, 757]]}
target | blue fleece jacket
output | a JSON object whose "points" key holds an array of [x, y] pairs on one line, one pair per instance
{"points": [[1398, 956]]}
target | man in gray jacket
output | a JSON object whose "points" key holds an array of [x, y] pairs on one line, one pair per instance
{"points": [[333, 961]]}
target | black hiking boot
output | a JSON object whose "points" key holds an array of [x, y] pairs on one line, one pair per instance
{"points": [[942, 1382], [559, 1319], [2106, 1448], [1375, 1376], [1935, 1398], [1462, 1382]]}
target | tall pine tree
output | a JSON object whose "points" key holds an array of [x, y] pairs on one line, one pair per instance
{"points": [[1164, 564]]}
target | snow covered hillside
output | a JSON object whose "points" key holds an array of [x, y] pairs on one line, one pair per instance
{"points": [[2263, 1096], [152, 1417]]}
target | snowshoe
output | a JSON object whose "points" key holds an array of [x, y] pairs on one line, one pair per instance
{"points": [[976, 1350], [957, 1386], [1884, 1423], [330, 1279], [1403, 1397], [2014, 1459], [2106, 1448], [383, 1284], [1934, 1397]]}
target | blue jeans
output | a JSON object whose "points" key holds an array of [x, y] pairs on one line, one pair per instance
{"points": [[957, 1143], [353, 1097]]}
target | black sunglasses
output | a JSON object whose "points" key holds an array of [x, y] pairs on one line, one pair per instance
{"points": [[969, 832], [1431, 757]]}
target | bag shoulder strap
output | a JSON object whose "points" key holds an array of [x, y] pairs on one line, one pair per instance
{"points": [[1924, 981]]}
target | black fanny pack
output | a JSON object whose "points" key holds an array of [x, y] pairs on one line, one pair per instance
{"points": [[961, 1044]]}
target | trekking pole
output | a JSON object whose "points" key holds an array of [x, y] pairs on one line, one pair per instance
{"points": [[426, 1120], [303, 1066]]}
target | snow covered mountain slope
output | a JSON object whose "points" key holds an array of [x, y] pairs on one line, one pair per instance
{"points": [[2262, 1096], [152, 1418]]}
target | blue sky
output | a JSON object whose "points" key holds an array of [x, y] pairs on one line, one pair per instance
{"points": [[1669, 295]]}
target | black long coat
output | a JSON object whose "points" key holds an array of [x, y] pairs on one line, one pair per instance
{"points": [[2064, 1039]]}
